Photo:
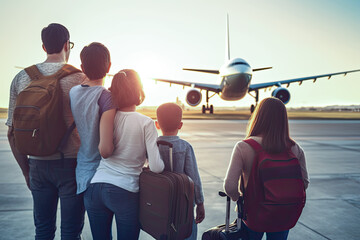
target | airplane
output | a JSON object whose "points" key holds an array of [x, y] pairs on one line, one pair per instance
{"points": [[235, 82]]}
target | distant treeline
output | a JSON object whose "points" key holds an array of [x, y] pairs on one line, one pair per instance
{"points": [[353, 108]]}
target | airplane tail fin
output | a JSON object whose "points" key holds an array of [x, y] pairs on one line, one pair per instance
{"points": [[260, 69], [227, 50]]}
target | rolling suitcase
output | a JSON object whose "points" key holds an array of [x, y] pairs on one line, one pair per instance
{"points": [[227, 231], [166, 203]]}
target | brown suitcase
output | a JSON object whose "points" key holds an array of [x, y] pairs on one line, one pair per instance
{"points": [[166, 203]]}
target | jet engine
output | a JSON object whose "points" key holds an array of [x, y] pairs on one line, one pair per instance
{"points": [[193, 97], [281, 93]]}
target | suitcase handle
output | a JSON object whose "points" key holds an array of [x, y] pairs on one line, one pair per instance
{"points": [[227, 216], [162, 142], [239, 204], [170, 145]]}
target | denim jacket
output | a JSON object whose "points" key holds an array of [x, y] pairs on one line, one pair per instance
{"points": [[184, 161]]}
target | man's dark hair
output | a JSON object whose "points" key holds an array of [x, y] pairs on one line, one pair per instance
{"points": [[53, 37], [95, 60]]}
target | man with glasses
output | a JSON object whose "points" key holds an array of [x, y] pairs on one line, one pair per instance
{"points": [[51, 178]]}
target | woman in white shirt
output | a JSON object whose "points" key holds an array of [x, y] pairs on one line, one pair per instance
{"points": [[114, 188]]}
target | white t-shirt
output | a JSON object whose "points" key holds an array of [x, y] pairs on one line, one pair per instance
{"points": [[135, 136]]}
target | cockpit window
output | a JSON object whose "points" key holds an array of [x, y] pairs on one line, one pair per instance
{"points": [[239, 63]]}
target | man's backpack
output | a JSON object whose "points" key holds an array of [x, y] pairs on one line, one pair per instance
{"points": [[275, 193], [38, 120]]}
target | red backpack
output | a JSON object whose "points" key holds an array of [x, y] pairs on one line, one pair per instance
{"points": [[275, 193]]}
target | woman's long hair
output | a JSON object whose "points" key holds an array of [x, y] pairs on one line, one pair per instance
{"points": [[270, 121]]}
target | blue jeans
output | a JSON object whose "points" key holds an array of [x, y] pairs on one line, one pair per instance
{"points": [[193, 235], [252, 235], [51, 180], [102, 202]]}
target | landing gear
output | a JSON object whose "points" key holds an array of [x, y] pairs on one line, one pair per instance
{"points": [[252, 108], [207, 108]]}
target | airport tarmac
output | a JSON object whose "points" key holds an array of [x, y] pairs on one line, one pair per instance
{"points": [[332, 149]]}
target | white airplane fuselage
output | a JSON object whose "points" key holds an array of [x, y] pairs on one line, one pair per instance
{"points": [[235, 82], [235, 77]]}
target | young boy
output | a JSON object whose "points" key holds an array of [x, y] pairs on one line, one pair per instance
{"points": [[169, 116], [92, 108]]}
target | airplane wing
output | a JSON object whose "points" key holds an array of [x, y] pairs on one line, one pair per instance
{"points": [[202, 70], [217, 71], [257, 86], [210, 87]]}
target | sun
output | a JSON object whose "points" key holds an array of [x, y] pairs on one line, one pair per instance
{"points": [[155, 93]]}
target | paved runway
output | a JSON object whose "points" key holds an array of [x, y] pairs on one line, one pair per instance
{"points": [[332, 151]]}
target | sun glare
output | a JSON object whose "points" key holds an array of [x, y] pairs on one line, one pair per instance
{"points": [[155, 93], [158, 93]]}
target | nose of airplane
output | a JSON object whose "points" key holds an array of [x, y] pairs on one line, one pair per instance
{"points": [[238, 81], [235, 86]]}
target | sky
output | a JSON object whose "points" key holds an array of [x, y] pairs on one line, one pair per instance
{"points": [[158, 38]]}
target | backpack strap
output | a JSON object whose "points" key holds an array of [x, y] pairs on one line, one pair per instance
{"points": [[254, 144], [240, 201], [33, 72], [65, 139], [66, 70]]}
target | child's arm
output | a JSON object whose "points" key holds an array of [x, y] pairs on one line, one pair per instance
{"points": [[231, 181], [156, 164], [191, 169], [200, 213], [106, 144], [106, 128]]}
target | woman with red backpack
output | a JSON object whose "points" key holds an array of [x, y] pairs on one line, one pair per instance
{"points": [[270, 167]]}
